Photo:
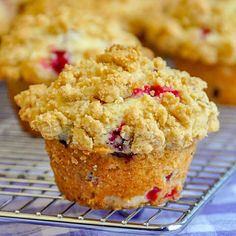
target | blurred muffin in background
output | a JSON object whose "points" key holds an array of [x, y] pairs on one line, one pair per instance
{"points": [[126, 12], [200, 37], [39, 45]]}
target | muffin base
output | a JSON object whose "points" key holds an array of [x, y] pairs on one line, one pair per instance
{"points": [[15, 87], [101, 180], [221, 79]]}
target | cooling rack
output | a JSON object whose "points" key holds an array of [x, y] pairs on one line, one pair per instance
{"points": [[28, 192]]}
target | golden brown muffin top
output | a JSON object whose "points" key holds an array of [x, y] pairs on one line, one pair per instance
{"points": [[198, 30], [38, 46], [121, 102]]}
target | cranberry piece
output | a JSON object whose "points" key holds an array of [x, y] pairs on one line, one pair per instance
{"points": [[172, 193], [169, 176], [59, 61], [153, 194], [45, 64], [205, 32], [137, 92], [115, 140], [147, 89], [154, 91], [160, 90]]}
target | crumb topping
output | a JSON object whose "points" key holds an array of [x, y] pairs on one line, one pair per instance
{"points": [[92, 106], [154, 91], [199, 30]]}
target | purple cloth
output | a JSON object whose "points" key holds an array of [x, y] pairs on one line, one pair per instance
{"points": [[218, 217]]}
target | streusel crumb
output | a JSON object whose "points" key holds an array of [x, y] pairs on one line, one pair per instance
{"points": [[199, 30]]}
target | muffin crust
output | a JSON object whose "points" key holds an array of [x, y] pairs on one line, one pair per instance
{"points": [[104, 181]]}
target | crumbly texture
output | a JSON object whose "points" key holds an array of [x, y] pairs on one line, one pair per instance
{"points": [[119, 9], [220, 79], [103, 181], [125, 11], [198, 30], [39, 45], [122, 101]]}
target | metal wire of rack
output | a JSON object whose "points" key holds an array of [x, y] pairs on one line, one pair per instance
{"points": [[28, 192]]}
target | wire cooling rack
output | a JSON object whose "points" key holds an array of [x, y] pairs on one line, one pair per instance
{"points": [[29, 194]]}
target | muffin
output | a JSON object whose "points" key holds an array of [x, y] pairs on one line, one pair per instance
{"points": [[8, 10], [200, 37], [120, 129], [39, 45], [125, 11]]}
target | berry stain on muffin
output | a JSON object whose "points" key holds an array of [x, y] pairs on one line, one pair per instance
{"points": [[153, 194], [172, 194], [57, 62], [154, 91], [120, 144], [205, 32], [168, 177], [60, 59]]}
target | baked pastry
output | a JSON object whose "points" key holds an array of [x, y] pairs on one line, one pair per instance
{"points": [[39, 45], [126, 11], [120, 129], [8, 10], [200, 37]]}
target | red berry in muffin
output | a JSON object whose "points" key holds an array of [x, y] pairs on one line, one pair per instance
{"points": [[154, 91], [153, 194], [172, 194], [59, 60], [120, 144]]}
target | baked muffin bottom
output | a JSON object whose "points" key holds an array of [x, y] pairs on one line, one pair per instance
{"points": [[220, 79], [101, 180], [15, 87]]}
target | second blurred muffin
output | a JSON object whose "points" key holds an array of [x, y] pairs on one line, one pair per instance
{"points": [[200, 37]]}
